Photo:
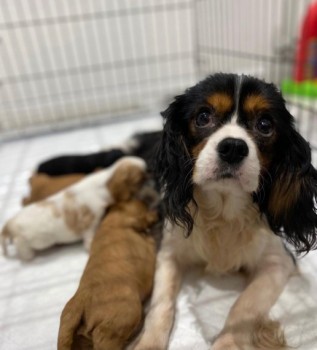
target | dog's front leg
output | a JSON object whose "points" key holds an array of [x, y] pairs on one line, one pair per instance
{"points": [[160, 318], [248, 325]]}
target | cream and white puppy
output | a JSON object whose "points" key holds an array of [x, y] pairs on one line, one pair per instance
{"points": [[72, 214]]}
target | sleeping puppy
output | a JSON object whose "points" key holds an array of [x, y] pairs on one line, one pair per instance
{"points": [[107, 308], [84, 164], [139, 145], [73, 214], [236, 175], [43, 186]]}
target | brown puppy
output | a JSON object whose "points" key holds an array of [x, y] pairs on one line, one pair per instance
{"points": [[43, 186], [118, 278]]}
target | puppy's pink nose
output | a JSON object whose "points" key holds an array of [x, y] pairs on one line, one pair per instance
{"points": [[232, 150]]}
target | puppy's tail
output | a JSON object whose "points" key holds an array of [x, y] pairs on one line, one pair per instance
{"points": [[70, 321], [5, 239]]}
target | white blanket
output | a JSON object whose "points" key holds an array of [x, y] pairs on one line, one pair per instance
{"points": [[32, 295]]}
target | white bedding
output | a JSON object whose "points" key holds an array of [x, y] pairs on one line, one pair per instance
{"points": [[32, 295]]}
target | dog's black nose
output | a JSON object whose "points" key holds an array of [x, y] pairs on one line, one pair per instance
{"points": [[232, 150]]}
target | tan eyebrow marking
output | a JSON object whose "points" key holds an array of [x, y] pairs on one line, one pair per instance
{"points": [[255, 103], [222, 102]]}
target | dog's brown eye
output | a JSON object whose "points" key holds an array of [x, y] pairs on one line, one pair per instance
{"points": [[204, 118], [265, 126]]}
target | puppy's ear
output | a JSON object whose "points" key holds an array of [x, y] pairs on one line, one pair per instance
{"points": [[174, 165], [38, 179], [126, 181], [291, 194]]}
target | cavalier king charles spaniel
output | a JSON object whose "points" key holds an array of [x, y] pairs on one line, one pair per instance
{"points": [[237, 182]]}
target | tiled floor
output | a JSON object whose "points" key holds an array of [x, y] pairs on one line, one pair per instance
{"points": [[32, 295]]}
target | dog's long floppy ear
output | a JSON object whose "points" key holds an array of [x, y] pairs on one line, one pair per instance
{"points": [[174, 165], [291, 194]]}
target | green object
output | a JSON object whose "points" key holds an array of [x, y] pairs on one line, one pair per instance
{"points": [[306, 88]]}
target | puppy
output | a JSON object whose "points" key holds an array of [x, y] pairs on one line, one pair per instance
{"points": [[43, 186], [85, 164], [139, 145], [73, 214], [118, 278], [235, 176]]}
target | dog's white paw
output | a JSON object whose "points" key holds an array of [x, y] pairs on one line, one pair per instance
{"points": [[261, 334], [227, 341]]}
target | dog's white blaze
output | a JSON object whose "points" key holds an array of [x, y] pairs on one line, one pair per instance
{"points": [[234, 119], [237, 96], [207, 163]]}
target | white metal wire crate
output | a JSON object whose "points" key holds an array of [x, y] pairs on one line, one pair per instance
{"points": [[69, 63]]}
